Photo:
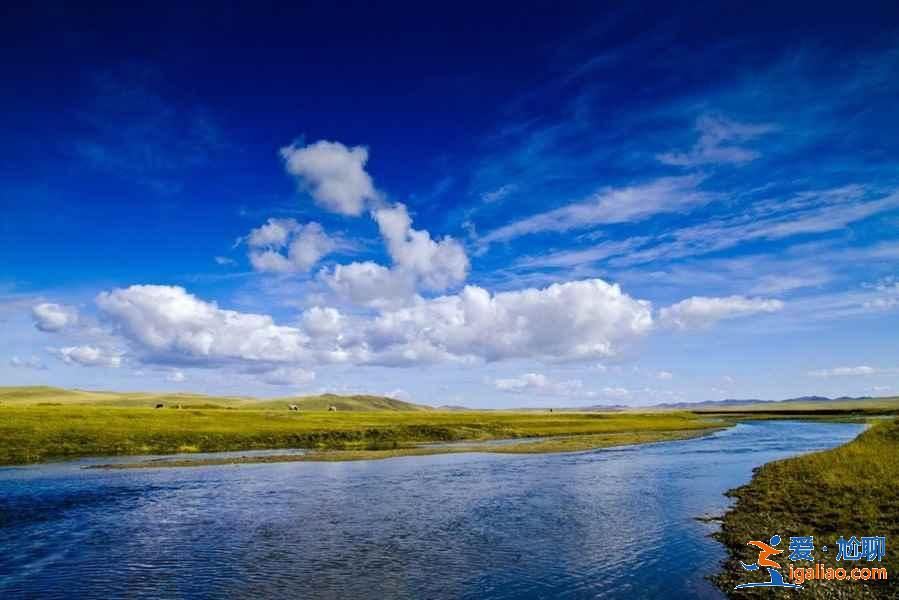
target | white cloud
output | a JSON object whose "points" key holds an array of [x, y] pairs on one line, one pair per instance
{"points": [[577, 320], [499, 194], [572, 258], [418, 263], [582, 319], [886, 295], [333, 174], [805, 213], [664, 375], [176, 377], [288, 376], [224, 261], [538, 383], [52, 317], [32, 362], [718, 143], [321, 322], [858, 371], [437, 265], [611, 205], [89, 356], [306, 245], [701, 311], [166, 319], [369, 284]]}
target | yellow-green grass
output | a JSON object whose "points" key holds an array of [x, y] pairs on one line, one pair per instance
{"points": [[37, 432], [45, 395], [850, 490], [563, 444], [862, 406]]}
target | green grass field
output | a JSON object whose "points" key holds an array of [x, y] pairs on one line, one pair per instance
{"points": [[51, 396], [39, 432], [850, 490]]}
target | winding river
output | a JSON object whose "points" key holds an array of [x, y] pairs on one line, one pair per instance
{"points": [[613, 523]]}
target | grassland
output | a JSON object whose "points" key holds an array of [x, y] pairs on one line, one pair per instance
{"points": [[38, 432], [850, 490], [52, 396], [865, 406], [45, 423]]}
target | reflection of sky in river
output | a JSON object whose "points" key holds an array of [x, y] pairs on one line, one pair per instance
{"points": [[464, 525]]}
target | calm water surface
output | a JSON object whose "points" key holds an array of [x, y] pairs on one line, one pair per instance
{"points": [[615, 523]]}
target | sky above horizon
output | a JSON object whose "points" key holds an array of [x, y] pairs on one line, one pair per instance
{"points": [[487, 207]]}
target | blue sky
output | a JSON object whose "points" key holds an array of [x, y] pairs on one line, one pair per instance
{"points": [[483, 206]]}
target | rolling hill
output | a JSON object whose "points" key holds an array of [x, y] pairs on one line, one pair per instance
{"points": [[46, 395]]}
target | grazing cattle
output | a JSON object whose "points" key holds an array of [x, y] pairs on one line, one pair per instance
{"points": [[293, 407], [332, 408], [160, 406]]}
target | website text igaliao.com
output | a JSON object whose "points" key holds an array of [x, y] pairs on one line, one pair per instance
{"points": [[820, 571]]}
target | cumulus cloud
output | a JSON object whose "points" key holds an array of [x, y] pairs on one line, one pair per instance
{"points": [[369, 284], [418, 263], [168, 320], [89, 356], [333, 174], [582, 319], [438, 265], [538, 383], [305, 245], [702, 311], [176, 377], [611, 205], [52, 317]]}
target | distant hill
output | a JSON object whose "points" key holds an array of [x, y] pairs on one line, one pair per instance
{"points": [[349, 403], [52, 395], [800, 403]]}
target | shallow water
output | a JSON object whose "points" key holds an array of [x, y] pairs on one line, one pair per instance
{"points": [[613, 523]]}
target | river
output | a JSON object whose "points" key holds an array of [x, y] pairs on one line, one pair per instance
{"points": [[612, 523]]}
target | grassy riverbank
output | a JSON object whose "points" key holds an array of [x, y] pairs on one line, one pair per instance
{"points": [[564, 444], [850, 490], [38, 433]]}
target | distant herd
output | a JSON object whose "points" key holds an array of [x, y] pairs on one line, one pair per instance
{"points": [[295, 407]]}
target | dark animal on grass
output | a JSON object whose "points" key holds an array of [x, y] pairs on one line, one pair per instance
{"points": [[160, 406], [332, 408], [293, 407]]}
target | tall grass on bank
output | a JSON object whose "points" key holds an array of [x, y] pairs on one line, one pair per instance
{"points": [[850, 490]]}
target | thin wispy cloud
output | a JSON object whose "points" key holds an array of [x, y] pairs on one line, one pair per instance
{"points": [[611, 205], [721, 141]]}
